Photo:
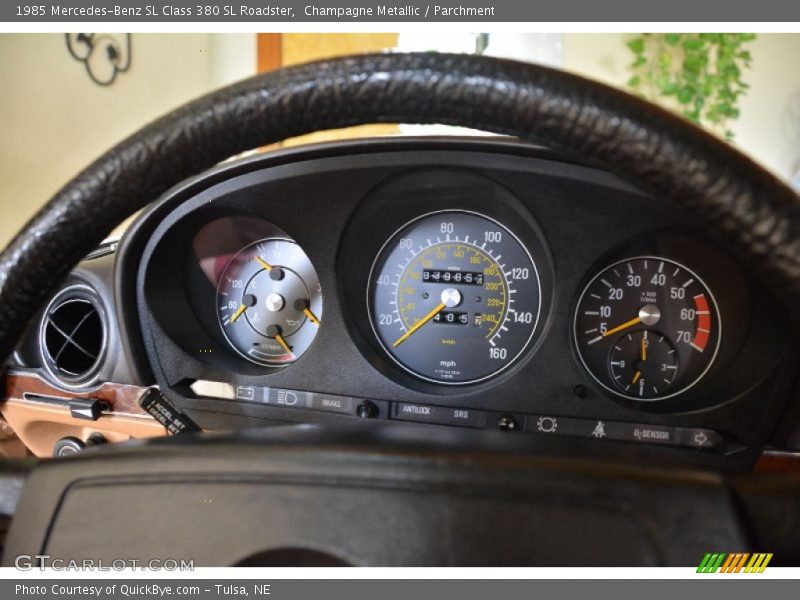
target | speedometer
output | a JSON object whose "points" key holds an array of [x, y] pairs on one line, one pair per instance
{"points": [[454, 297], [647, 328]]}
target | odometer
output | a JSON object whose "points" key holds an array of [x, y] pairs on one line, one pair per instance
{"points": [[454, 297], [647, 328]]}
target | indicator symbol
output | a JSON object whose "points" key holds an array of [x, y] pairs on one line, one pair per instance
{"points": [[245, 393], [547, 424], [287, 398], [599, 430]]}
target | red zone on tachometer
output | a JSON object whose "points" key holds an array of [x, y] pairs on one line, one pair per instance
{"points": [[703, 331]]}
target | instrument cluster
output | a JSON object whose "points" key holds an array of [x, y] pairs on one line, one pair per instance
{"points": [[480, 293], [454, 298]]}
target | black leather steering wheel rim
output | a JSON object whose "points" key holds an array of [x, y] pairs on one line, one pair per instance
{"points": [[753, 211]]}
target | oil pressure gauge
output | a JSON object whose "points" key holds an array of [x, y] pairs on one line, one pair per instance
{"points": [[647, 328]]}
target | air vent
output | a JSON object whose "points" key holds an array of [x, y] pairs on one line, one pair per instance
{"points": [[73, 335]]}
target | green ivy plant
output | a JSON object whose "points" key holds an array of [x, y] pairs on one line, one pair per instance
{"points": [[699, 75]]}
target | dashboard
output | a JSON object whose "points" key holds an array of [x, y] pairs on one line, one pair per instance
{"points": [[464, 285]]}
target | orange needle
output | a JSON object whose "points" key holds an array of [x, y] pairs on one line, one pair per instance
{"points": [[636, 377], [238, 313], [625, 325], [279, 338], [311, 316], [644, 346], [419, 324], [263, 263]]}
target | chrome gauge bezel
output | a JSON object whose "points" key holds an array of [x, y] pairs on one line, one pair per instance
{"points": [[439, 382], [267, 363], [577, 343]]}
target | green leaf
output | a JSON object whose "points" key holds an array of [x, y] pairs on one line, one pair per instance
{"points": [[636, 45], [685, 95], [700, 75], [693, 44], [670, 89]]}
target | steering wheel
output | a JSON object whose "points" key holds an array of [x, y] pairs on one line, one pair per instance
{"points": [[752, 211]]}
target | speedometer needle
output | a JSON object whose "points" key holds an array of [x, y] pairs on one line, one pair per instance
{"points": [[625, 325], [420, 323]]}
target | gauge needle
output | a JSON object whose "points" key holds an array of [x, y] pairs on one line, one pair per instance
{"points": [[643, 356], [239, 312], [311, 316], [419, 324], [625, 325], [280, 339], [263, 263]]}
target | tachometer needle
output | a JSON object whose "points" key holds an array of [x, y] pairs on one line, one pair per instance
{"points": [[625, 325], [636, 377], [419, 324], [263, 263], [239, 312], [280, 339], [644, 346]]}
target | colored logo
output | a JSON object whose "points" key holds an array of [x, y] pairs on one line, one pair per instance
{"points": [[740, 562]]}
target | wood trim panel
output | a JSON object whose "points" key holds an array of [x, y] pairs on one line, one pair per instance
{"points": [[120, 397], [39, 424], [778, 462]]}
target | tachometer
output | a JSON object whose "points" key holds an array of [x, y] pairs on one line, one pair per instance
{"points": [[269, 302], [454, 297], [647, 328]]}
